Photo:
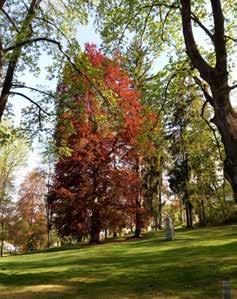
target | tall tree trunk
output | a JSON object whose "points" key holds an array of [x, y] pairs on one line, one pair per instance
{"points": [[95, 227], [225, 118], [160, 203], [138, 228], [48, 221], [189, 214], [2, 236], [25, 33], [203, 213]]}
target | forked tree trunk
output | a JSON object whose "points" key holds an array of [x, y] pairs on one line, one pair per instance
{"points": [[225, 118]]}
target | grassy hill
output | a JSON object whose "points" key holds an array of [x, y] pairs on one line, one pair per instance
{"points": [[192, 266]]}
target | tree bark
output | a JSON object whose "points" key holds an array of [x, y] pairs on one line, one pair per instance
{"points": [[95, 227], [25, 32], [160, 203], [2, 236], [225, 118], [138, 219]]}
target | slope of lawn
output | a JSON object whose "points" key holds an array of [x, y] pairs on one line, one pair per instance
{"points": [[192, 266]]}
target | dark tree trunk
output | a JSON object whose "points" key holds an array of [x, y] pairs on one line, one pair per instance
{"points": [[49, 221], [95, 227], [202, 215], [2, 237], [225, 118], [189, 214], [138, 219], [160, 203], [25, 33], [156, 221], [138, 229]]}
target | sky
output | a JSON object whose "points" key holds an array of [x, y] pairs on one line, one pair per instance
{"points": [[84, 34]]}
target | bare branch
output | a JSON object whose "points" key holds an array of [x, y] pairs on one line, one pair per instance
{"points": [[201, 25], [34, 89], [196, 58], [2, 3], [204, 90], [10, 20], [29, 42], [212, 129], [30, 100], [154, 4], [233, 87], [231, 38], [55, 26]]}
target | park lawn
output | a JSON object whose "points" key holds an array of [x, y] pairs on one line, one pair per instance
{"points": [[192, 266]]}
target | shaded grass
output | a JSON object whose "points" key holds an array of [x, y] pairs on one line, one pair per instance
{"points": [[192, 266]]}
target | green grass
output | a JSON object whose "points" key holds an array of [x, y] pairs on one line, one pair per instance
{"points": [[192, 266]]}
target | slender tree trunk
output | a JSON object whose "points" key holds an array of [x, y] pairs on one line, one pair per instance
{"points": [[190, 207], [138, 219], [95, 227], [160, 203], [138, 229], [156, 222], [49, 225], [203, 214], [2, 236], [181, 212]]}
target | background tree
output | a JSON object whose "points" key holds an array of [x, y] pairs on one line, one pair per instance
{"points": [[156, 19], [30, 28], [12, 156], [30, 210]]}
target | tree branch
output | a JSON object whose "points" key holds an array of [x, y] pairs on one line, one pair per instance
{"points": [[30, 41], [154, 4], [10, 20], [204, 90], [212, 129], [219, 36], [30, 100], [196, 58], [201, 25], [2, 3], [34, 89]]}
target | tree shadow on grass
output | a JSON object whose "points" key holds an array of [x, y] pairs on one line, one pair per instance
{"points": [[185, 272]]}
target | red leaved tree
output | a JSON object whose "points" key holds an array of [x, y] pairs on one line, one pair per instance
{"points": [[97, 181]]}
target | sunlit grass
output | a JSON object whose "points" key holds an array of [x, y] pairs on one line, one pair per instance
{"points": [[192, 266]]}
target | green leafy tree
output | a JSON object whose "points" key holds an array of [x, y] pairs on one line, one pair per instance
{"points": [[29, 29], [12, 156]]}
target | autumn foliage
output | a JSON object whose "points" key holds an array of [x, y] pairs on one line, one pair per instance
{"points": [[100, 126], [29, 226]]}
